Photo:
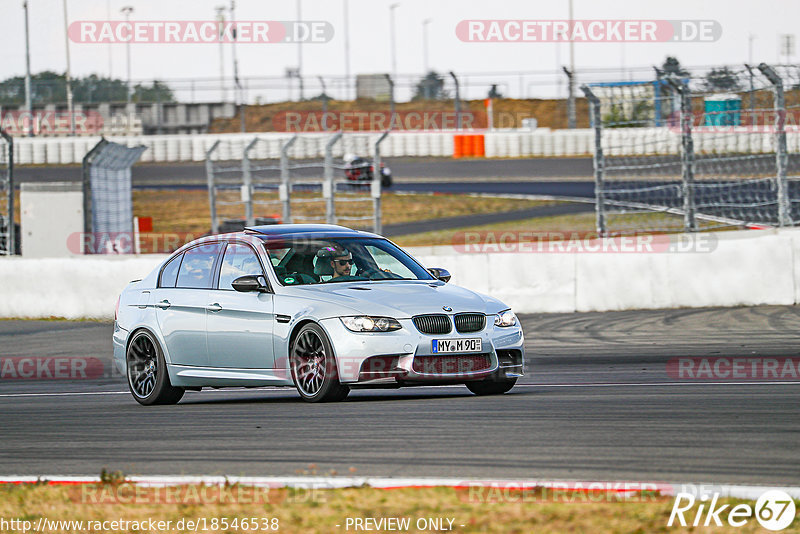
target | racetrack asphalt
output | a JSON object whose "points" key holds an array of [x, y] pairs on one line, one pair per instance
{"points": [[478, 219], [403, 169], [596, 403]]}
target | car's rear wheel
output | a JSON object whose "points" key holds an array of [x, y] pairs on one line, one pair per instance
{"points": [[491, 387], [147, 372], [314, 366]]}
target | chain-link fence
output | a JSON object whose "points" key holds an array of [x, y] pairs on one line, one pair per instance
{"points": [[8, 237], [298, 179], [107, 198], [681, 153]]}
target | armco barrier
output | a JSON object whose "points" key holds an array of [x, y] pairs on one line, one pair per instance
{"points": [[745, 268]]}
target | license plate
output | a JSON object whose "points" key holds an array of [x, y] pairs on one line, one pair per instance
{"points": [[456, 345]]}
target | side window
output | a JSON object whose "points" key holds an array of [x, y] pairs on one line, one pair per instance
{"points": [[239, 260], [169, 274], [197, 267]]}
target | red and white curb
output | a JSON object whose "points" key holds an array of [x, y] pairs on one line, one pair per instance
{"points": [[621, 488]]}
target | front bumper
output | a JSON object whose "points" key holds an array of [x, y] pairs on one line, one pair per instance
{"points": [[406, 355]]}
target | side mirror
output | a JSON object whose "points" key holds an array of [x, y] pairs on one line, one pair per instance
{"points": [[439, 273], [251, 282]]}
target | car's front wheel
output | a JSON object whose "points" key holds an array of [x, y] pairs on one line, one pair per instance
{"points": [[147, 372], [491, 387], [314, 366]]}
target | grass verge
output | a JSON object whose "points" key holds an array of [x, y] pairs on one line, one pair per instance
{"points": [[559, 226], [324, 511], [188, 210]]}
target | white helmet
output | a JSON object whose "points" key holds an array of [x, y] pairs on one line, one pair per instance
{"points": [[349, 157]]}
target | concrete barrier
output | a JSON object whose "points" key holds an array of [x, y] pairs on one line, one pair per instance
{"points": [[69, 288], [742, 269]]}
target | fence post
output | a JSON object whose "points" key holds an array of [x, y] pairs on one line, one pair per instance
{"points": [[598, 161], [784, 203], [570, 98], [687, 154], [377, 222], [11, 239], [457, 102], [328, 186], [212, 191], [285, 189], [247, 188]]}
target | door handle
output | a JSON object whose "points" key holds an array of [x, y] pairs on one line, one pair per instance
{"points": [[164, 304], [214, 307]]}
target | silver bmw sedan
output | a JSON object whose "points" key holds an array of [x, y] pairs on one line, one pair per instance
{"points": [[322, 308]]}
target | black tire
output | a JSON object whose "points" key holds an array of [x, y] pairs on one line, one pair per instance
{"points": [[491, 387], [311, 353], [386, 181], [148, 379]]}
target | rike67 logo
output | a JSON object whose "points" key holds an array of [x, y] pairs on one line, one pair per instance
{"points": [[774, 510]]}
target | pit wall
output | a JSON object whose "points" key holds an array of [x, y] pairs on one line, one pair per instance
{"points": [[741, 269]]}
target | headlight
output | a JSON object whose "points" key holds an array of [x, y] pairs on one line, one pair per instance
{"points": [[506, 318], [364, 323]]}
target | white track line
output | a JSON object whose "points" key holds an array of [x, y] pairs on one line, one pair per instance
{"points": [[417, 388], [310, 482]]}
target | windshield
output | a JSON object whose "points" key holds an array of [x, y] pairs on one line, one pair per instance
{"points": [[330, 260]]}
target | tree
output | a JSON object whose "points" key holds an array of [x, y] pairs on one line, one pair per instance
{"points": [[722, 79], [672, 66], [494, 92], [431, 87], [637, 115], [96, 89], [158, 92], [48, 87]]}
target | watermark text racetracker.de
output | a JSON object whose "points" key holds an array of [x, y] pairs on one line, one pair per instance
{"points": [[578, 242], [740, 122], [418, 120], [588, 31], [53, 368], [199, 31], [128, 493], [199, 524], [48, 122], [575, 492], [734, 368]]}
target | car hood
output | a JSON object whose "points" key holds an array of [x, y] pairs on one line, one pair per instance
{"points": [[400, 299]]}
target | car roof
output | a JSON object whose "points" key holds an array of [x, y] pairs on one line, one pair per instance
{"points": [[288, 231]]}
